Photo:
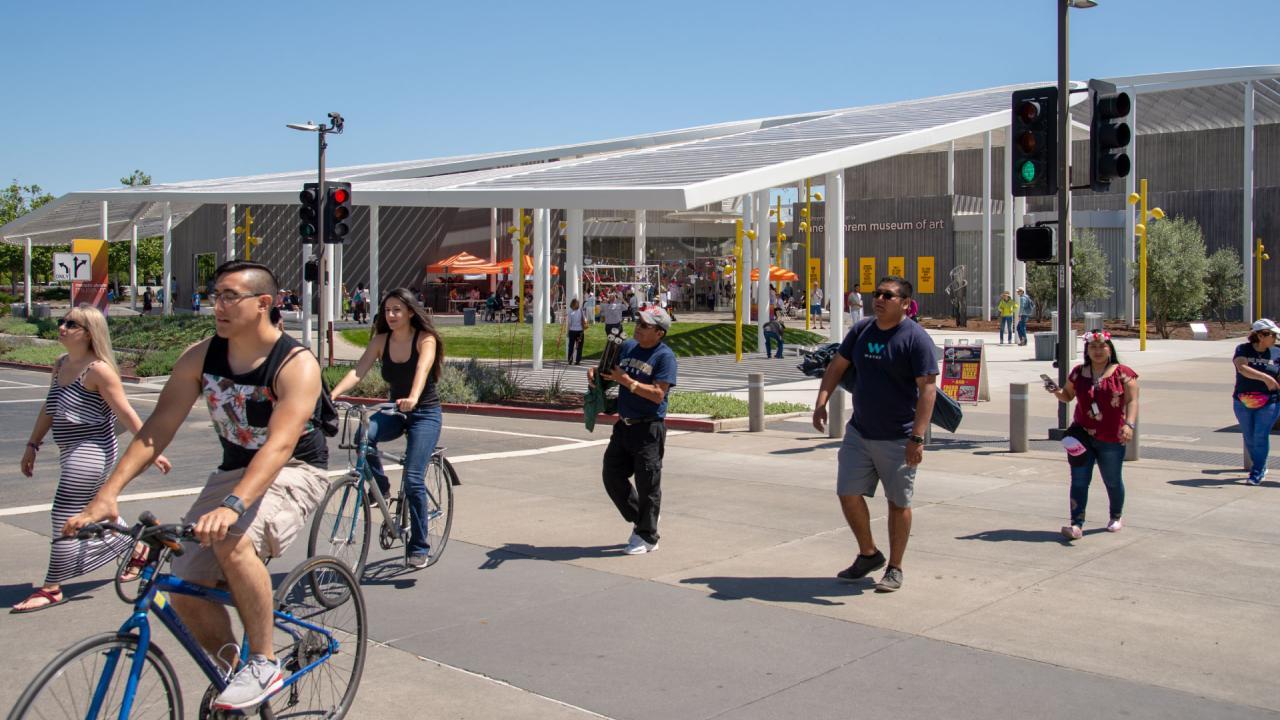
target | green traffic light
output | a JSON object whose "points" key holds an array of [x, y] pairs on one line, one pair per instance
{"points": [[307, 230], [1027, 171]]}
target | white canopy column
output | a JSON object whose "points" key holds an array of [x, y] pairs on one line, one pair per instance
{"points": [[744, 300], [1250, 312], [987, 289], [231, 232], [168, 259], [573, 255], [833, 255], [541, 236], [374, 298], [26, 270], [762, 262], [493, 246], [547, 288], [1130, 220], [133, 269], [951, 168], [642, 237]]}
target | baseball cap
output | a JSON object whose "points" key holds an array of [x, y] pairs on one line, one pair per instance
{"points": [[1265, 324], [656, 316]]}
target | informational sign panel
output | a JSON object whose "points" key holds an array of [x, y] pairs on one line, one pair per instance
{"points": [[867, 273], [924, 275], [898, 266], [72, 266], [964, 375], [94, 290], [815, 271]]}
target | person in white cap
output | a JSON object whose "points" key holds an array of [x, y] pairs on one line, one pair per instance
{"points": [[645, 373], [1256, 399]]}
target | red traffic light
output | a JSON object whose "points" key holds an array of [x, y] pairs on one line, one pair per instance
{"points": [[340, 195], [1028, 111]]}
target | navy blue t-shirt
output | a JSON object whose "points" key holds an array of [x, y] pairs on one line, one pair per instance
{"points": [[888, 363], [657, 363], [1266, 361]]}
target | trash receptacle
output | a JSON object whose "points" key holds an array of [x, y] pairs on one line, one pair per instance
{"points": [[1092, 321], [468, 316], [18, 309], [1046, 345]]}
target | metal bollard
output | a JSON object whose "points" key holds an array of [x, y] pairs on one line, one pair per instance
{"points": [[1019, 416], [835, 414], [755, 401], [1133, 450]]}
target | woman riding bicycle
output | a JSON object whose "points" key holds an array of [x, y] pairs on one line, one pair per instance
{"points": [[412, 355]]}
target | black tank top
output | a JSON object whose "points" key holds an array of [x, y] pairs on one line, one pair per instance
{"points": [[400, 375], [240, 406]]}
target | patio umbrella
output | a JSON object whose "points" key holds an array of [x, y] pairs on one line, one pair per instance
{"points": [[463, 263], [775, 273], [505, 266]]}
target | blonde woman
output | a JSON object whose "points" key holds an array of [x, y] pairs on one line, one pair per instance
{"points": [[85, 397]]}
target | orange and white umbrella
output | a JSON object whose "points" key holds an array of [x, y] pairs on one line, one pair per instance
{"points": [[505, 266], [463, 263], [775, 274]]}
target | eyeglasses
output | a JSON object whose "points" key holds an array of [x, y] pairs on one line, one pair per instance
{"points": [[228, 297], [642, 325], [1264, 333], [884, 295], [70, 324], [1096, 336]]}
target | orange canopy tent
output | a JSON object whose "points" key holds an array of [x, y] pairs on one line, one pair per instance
{"points": [[775, 273], [505, 266], [464, 263]]}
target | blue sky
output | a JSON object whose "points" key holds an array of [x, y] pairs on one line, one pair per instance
{"points": [[199, 90]]}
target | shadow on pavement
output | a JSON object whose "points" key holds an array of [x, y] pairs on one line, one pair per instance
{"points": [[390, 571], [1221, 483], [15, 593], [810, 590], [1018, 536], [807, 448], [524, 551]]}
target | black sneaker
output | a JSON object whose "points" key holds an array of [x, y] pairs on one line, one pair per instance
{"points": [[863, 566]]}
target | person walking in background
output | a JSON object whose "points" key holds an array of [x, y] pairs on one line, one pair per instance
{"points": [[1106, 410], [147, 300], [1256, 399], [85, 397], [884, 442], [773, 334], [577, 323], [1006, 308], [854, 302], [195, 302], [645, 373], [1025, 308], [611, 312], [815, 307]]}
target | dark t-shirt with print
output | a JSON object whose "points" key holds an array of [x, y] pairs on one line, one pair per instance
{"points": [[646, 366], [1264, 361], [888, 363]]}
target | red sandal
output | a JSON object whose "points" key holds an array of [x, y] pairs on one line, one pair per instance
{"points": [[40, 592], [133, 570]]}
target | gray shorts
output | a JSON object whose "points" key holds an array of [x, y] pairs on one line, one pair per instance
{"points": [[272, 523], [863, 463]]}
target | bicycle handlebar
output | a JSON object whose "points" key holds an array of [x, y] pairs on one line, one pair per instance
{"points": [[148, 530]]}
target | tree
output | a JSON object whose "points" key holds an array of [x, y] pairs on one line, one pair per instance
{"points": [[136, 178], [15, 201], [1088, 276], [1224, 281], [1176, 271]]}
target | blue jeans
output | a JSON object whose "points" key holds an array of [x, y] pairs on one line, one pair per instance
{"points": [[1255, 426], [1006, 327], [422, 430], [1022, 329], [1109, 458], [769, 340]]}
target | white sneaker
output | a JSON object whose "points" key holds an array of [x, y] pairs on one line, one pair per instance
{"points": [[637, 546]]}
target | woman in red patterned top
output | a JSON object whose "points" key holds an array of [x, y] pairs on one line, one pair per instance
{"points": [[1107, 408]]}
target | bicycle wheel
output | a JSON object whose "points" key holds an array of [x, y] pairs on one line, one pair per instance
{"points": [[341, 525], [440, 480], [323, 592], [100, 665]]}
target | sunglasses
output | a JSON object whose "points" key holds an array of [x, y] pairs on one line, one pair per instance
{"points": [[884, 295], [1264, 333], [642, 325], [70, 324]]}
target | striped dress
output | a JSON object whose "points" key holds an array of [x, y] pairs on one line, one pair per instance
{"points": [[83, 428]]}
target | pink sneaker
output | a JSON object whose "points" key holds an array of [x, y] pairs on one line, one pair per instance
{"points": [[1115, 525], [1072, 532]]}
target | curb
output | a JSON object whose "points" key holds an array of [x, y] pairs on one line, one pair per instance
{"points": [[49, 368]]}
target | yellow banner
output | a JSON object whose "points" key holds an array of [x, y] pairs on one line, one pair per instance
{"points": [[867, 273], [924, 274], [815, 272], [846, 277], [898, 266]]}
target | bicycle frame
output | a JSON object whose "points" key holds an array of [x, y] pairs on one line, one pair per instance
{"points": [[154, 601]]}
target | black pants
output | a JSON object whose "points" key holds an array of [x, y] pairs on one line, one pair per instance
{"points": [[636, 449], [575, 346], [611, 329]]}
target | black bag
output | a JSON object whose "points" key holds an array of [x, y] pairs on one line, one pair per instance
{"points": [[946, 412]]}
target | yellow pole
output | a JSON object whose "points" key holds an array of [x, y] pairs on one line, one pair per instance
{"points": [[808, 236], [1142, 269], [737, 285], [1260, 253], [777, 257]]}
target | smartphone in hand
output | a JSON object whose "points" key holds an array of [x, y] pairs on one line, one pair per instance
{"points": [[1049, 384]]}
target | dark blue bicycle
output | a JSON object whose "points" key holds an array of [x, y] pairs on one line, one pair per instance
{"points": [[320, 639]]}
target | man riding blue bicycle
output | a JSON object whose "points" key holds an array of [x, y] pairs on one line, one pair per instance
{"points": [[263, 391]]}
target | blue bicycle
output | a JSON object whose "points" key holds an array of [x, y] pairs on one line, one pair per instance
{"points": [[320, 639]]}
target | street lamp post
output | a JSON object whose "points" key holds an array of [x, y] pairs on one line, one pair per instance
{"points": [[325, 330], [807, 228], [1144, 218]]}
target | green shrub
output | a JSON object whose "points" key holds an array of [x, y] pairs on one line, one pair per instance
{"points": [[33, 354], [19, 326], [156, 332], [370, 386], [454, 387], [157, 362], [491, 381], [723, 406]]}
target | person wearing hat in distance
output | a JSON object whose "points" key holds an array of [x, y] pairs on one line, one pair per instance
{"points": [[645, 373], [1256, 398], [1025, 308]]}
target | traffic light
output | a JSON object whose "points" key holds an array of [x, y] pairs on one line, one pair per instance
{"points": [[1109, 135], [309, 212], [1035, 142], [311, 271], [337, 211], [1034, 244]]}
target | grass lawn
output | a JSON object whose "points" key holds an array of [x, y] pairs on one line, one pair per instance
{"points": [[513, 340]]}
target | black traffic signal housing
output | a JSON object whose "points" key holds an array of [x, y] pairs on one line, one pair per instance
{"points": [[1034, 243], [1035, 142], [337, 212], [311, 270], [309, 212], [1109, 135]]}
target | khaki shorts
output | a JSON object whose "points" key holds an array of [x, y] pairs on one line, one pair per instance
{"points": [[272, 523]]}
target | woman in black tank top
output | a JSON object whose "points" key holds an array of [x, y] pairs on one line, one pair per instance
{"points": [[412, 356]]}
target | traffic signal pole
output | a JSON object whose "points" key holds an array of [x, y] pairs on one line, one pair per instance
{"points": [[1064, 211], [322, 329]]}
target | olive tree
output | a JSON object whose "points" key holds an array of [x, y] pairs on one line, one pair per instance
{"points": [[1224, 284], [1089, 279], [1176, 271]]}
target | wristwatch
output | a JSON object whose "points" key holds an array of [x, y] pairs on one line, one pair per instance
{"points": [[917, 439], [234, 503]]}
